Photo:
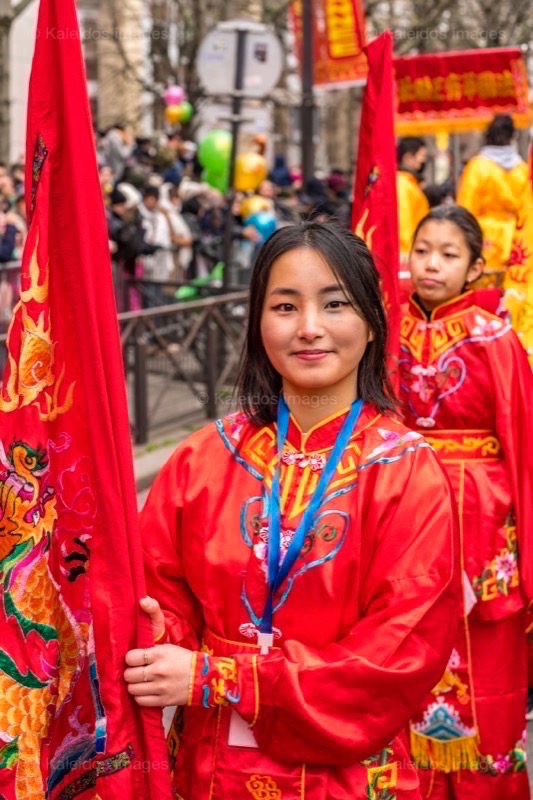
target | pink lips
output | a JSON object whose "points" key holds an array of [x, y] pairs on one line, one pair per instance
{"points": [[312, 355], [429, 283]]}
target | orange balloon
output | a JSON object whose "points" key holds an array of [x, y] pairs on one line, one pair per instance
{"points": [[173, 114], [250, 170]]}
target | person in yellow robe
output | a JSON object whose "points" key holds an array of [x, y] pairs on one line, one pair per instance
{"points": [[525, 322], [412, 202], [495, 187]]}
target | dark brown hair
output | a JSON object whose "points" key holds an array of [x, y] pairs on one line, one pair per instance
{"points": [[259, 384], [501, 130]]}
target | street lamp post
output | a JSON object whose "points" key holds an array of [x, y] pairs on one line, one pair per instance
{"points": [[307, 107], [236, 119]]}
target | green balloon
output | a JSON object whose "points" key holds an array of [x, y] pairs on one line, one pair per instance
{"points": [[215, 150], [185, 111], [218, 180]]}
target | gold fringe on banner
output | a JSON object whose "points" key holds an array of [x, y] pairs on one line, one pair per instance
{"points": [[447, 756], [428, 126]]}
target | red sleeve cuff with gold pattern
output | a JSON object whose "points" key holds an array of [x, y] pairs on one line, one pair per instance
{"points": [[214, 681]]}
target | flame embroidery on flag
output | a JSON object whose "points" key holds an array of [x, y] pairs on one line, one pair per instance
{"points": [[28, 380], [37, 291], [360, 229]]}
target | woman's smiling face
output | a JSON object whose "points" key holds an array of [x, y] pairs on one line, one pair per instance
{"points": [[313, 335]]}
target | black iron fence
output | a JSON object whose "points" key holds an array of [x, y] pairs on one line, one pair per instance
{"points": [[181, 360]]}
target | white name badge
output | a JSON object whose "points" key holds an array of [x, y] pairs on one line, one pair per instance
{"points": [[469, 595], [240, 734]]}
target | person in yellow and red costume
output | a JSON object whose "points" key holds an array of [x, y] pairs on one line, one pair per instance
{"points": [[413, 204], [301, 554], [496, 188], [524, 326], [466, 384]]}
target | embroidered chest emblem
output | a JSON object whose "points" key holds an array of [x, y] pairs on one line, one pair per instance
{"points": [[427, 386], [443, 334], [300, 472], [321, 545]]}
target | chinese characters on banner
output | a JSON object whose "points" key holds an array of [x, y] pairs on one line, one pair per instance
{"points": [[338, 39], [459, 91]]}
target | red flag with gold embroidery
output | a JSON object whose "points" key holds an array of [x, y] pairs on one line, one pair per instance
{"points": [[71, 569], [375, 211]]}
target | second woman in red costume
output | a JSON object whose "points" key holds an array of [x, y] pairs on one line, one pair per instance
{"points": [[466, 384]]}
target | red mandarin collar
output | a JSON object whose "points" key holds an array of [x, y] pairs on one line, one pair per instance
{"points": [[448, 309], [323, 435]]}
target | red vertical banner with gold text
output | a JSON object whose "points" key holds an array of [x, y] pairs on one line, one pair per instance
{"points": [[375, 211], [71, 572], [339, 37]]}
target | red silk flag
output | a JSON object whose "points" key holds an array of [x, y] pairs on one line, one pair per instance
{"points": [[71, 565], [375, 211]]}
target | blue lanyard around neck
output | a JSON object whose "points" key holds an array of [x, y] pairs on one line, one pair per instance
{"points": [[277, 572]]}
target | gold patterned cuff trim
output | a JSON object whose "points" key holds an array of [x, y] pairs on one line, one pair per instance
{"points": [[192, 678]]}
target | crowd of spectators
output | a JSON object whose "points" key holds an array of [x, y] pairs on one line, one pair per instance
{"points": [[165, 223], [12, 212]]}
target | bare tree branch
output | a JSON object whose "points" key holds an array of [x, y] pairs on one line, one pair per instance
{"points": [[21, 6]]}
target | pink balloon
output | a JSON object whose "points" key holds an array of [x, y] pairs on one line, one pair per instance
{"points": [[174, 95]]}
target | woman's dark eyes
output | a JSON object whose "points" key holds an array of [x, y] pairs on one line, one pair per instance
{"points": [[335, 304], [422, 252]]}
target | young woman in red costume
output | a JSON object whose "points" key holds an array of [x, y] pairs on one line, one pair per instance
{"points": [[466, 384], [300, 554]]}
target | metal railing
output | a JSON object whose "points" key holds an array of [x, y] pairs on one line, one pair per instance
{"points": [[181, 360]]}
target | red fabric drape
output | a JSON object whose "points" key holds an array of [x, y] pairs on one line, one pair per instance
{"points": [[71, 566], [375, 212]]}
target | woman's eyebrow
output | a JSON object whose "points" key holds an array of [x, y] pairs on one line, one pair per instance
{"points": [[283, 290], [336, 287]]}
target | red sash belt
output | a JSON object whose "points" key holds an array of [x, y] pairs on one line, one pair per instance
{"points": [[218, 646]]}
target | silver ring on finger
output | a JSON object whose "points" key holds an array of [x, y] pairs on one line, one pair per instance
{"points": [[145, 675], [145, 654]]}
